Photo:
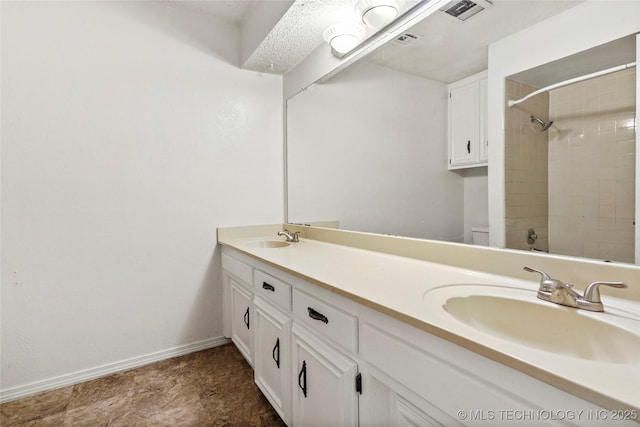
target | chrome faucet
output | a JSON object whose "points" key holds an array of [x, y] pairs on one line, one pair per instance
{"points": [[291, 237], [558, 292]]}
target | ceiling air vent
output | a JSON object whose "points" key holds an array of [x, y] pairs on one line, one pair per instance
{"points": [[465, 9], [405, 39]]}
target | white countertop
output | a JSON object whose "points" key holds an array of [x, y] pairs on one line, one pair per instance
{"points": [[396, 285]]}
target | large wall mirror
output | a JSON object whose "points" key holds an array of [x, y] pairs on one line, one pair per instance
{"points": [[367, 149]]}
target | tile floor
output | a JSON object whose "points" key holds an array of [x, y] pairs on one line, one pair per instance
{"points": [[209, 388]]}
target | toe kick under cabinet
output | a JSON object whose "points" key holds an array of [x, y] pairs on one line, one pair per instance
{"points": [[324, 360]]}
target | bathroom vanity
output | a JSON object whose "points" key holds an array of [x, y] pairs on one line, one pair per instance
{"points": [[346, 328]]}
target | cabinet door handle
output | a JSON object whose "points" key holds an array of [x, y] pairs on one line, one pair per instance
{"points": [[302, 378], [316, 315], [276, 353], [246, 317], [469, 146], [268, 287]]}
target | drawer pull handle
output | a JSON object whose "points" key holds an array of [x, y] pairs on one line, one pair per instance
{"points": [[268, 287], [246, 317], [302, 378], [469, 146], [316, 315], [276, 353]]}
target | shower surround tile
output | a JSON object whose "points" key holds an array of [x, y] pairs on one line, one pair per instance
{"points": [[526, 181], [583, 166], [592, 154]]}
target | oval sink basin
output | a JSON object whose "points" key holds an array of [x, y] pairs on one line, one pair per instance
{"points": [[268, 244], [519, 317]]}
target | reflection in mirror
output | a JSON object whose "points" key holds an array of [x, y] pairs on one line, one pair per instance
{"points": [[368, 149], [570, 187]]}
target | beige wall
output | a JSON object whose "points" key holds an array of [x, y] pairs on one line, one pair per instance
{"points": [[525, 168], [592, 168]]}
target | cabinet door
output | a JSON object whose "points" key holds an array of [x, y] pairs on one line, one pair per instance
{"points": [[406, 414], [241, 320], [383, 403], [463, 125], [232, 269], [272, 356], [484, 134], [325, 392]]}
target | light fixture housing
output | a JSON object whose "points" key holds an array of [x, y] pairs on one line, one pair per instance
{"points": [[378, 13], [344, 36]]}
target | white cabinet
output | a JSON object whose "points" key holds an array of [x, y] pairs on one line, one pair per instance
{"points": [[293, 340], [272, 289], [237, 297], [241, 319], [324, 318], [484, 133], [325, 360], [272, 356], [387, 403], [325, 393], [467, 127], [404, 414]]}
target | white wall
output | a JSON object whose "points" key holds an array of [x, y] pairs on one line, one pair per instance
{"points": [[128, 135], [368, 148], [587, 25], [476, 201]]}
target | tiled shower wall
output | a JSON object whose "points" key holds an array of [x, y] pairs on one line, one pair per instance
{"points": [[592, 168], [526, 168]]}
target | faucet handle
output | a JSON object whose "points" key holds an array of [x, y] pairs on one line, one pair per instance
{"points": [[549, 284], [291, 237], [546, 282], [544, 275], [592, 293]]}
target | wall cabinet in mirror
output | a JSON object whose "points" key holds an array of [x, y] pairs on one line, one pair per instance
{"points": [[467, 130]]}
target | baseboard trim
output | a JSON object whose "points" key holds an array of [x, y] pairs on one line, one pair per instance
{"points": [[110, 368]]}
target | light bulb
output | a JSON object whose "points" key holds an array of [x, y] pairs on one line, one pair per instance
{"points": [[377, 17], [344, 36], [378, 13]]}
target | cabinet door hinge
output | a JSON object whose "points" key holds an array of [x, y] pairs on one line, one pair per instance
{"points": [[359, 383]]}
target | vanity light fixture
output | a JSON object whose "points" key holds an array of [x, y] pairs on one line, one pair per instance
{"points": [[374, 14], [378, 13], [384, 19], [344, 36]]}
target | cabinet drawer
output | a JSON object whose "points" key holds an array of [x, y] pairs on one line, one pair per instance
{"points": [[338, 326], [272, 289], [239, 269]]}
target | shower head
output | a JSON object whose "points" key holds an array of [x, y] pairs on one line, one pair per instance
{"points": [[545, 125]]}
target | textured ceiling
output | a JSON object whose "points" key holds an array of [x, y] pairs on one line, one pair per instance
{"points": [[298, 33], [446, 50], [295, 36]]}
